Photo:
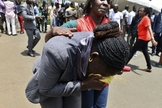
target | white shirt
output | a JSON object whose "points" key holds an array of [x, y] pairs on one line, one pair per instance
{"points": [[116, 17], [9, 7], [50, 11], [126, 14], [130, 17]]}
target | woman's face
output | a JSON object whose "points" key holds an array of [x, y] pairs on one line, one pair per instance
{"points": [[100, 7], [141, 12], [98, 66]]}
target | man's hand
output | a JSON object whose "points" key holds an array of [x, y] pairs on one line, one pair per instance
{"points": [[59, 31], [63, 31]]}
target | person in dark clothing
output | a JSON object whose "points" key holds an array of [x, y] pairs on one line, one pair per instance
{"points": [[134, 28], [157, 29], [44, 11]]}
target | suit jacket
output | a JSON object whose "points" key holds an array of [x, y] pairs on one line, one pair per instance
{"points": [[29, 16], [157, 24], [61, 67]]}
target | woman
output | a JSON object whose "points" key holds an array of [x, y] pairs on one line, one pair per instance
{"points": [[145, 35], [95, 14], [63, 70]]}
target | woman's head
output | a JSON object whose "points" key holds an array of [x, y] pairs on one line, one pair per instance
{"points": [[97, 7], [109, 54], [145, 11]]}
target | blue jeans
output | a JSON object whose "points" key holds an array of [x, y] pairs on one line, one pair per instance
{"points": [[95, 98]]}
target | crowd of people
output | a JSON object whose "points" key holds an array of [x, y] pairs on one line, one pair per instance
{"points": [[104, 37]]}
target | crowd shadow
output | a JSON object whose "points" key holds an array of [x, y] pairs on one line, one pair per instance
{"points": [[25, 53], [134, 69]]}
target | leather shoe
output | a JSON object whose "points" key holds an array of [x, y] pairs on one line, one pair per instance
{"points": [[31, 54]]}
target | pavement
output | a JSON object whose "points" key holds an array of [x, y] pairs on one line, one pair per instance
{"points": [[135, 89]]}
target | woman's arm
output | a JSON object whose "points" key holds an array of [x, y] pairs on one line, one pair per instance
{"points": [[66, 29], [152, 36], [57, 31]]}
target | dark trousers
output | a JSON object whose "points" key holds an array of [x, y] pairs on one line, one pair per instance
{"points": [[21, 21], [2, 20], [143, 46], [38, 24], [157, 39], [33, 38]]}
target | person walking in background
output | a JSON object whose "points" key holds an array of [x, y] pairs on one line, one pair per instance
{"points": [[134, 29], [51, 15], [2, 15], [80, 10], [44, 11], [10, 17], [145, 35], [37, 13], [71, 12], [56, 13], [61, 14], [125, 20], [20, 17], [116, 15], [63, 71], [157, 29], [130, 18], [30, 26]]}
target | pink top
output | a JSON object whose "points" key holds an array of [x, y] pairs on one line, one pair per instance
{"points": [[9, 7]]}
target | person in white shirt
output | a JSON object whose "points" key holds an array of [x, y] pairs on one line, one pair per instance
{"points": [[10, 17], [125, 20], [115, 15], [51, 15]]}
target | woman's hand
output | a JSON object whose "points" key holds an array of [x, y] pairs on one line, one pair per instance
{"points": [[154, 43], [92, 82], [59, 31]]}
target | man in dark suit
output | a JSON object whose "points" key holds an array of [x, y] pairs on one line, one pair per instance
{"points": [[30, 26], [157, 29]]}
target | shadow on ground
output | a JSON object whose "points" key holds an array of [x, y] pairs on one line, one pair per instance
{"points": [[25, 53]]}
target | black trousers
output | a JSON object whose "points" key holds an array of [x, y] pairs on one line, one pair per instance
{"points": [[2, 20], [156, 48], [143, 46]]}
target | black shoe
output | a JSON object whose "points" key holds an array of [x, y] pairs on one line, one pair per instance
{"points": [[31, 54], [152, 54], [14, 35], [32, 50]]}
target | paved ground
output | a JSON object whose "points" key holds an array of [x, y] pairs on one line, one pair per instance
{"points": [[136, 89]]}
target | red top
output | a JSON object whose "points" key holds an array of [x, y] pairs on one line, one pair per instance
{"points": [[86, 23], [143, 32]]}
